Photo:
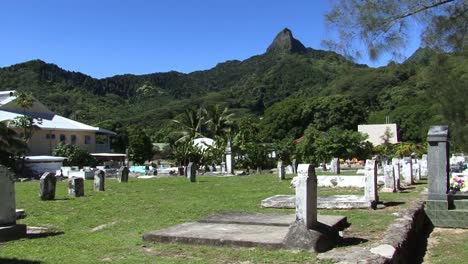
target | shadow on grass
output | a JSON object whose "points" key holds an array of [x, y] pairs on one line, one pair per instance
{"points": [[42, 235], [390, 204], [18, 261], [351, 241]]}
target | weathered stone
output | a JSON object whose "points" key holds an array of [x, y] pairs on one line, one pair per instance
{"points": [[99, 180], [229, 159], [123, 176], [75, 187], [7, 198], [319, 239], [408, 171], [9, 230], [47, 186], [390, 181], [192, 172], [371, 194], [306, 195], [438, 161], [181, 171], [396, 171], [335, 165], [281, 171], [424, 165]]}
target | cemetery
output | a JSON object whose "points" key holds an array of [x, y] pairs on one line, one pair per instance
{"points": [[209, 217]]}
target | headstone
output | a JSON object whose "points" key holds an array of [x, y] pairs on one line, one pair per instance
{"points": [[281, 171], [408, 171], [335, 165], [124, 171], [396, 171], [294, 166], [192, 172], [181, 171], [7, 198], [417, 169], [99, 180], [47, 184], [306, 195], [9, 230], [229, 159], [438, 162], [223, 167], [424, 165], [390, 180], [75, 187], [371, 194], [289, 169]]}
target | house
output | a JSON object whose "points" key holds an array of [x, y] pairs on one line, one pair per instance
{"points": [[378, 132], [53, 129]]}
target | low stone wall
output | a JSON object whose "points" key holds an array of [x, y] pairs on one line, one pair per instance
{"points": [[403, 241]]}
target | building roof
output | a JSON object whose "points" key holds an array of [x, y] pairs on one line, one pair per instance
{"points": [[46, 120]]}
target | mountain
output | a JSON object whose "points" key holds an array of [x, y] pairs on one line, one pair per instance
{"points": [[287, 70]]}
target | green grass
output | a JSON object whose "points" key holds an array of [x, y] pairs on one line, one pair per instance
{"points": [[447, 245], [127, 211]]}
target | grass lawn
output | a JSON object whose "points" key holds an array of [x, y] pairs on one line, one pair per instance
{"points": [[447, 245], [108, 226]]}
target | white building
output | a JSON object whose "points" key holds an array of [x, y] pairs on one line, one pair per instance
{"points": [[376, 133]]}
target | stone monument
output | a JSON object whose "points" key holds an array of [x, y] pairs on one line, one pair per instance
{"points": [[396, 171], [306, 232], [390, 181], [99, 180], [335, 165], [371, 194], [229, 159], [9, 229], [192, 172], [47, 185], [281, 170], [124, 171], [75, 187], [294, 166], [408, 171]]}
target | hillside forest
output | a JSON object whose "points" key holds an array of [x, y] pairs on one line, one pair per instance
{"points": [[274, 98]]}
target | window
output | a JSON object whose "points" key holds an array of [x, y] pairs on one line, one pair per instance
{"points": [[50, 136], [73, 139], [87, 139], [63, 138]]}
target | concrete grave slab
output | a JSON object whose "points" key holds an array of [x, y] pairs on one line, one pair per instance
{"points": [[323, 202], [238, 229]]}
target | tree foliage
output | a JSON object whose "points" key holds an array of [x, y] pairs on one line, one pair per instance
{"points": [[385, 26], [140, 148], [75, 156]]}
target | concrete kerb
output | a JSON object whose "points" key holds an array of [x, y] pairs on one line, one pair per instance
{"points": [[401, 242]]}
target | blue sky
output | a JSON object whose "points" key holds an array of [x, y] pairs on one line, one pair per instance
{"points": [[103, 38]]}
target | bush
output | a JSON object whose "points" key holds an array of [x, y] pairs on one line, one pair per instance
{"points": [[74, 155]]}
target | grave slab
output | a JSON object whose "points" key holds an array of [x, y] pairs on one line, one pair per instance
{"points": [[323, 202], [238, 229]]}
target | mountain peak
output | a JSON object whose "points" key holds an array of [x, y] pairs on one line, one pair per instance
{"points": [[285, 42]]}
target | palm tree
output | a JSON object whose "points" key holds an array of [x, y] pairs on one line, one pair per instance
{"points": [[219, 122], [190, 124]]}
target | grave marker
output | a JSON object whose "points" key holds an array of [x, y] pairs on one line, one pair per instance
{"points": [[281, 170], [75, 187], [371, 194], [47, 186], [335, 165], [390, 180], [99, 180], [229, 159], [192, 172], [408, 171], [306, 195], [396, 171], [124, 171]]}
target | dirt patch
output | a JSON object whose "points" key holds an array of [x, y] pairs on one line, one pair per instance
{"points": [[101, 227]]}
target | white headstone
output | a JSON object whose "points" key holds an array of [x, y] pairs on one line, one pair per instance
{"points": [[47, 185], [396, 171], [99, 180], [424, 165], [390, 181], [229, 159], [7, 198], [371, 194], [306, 195], [335, 165], [408, 171]]}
